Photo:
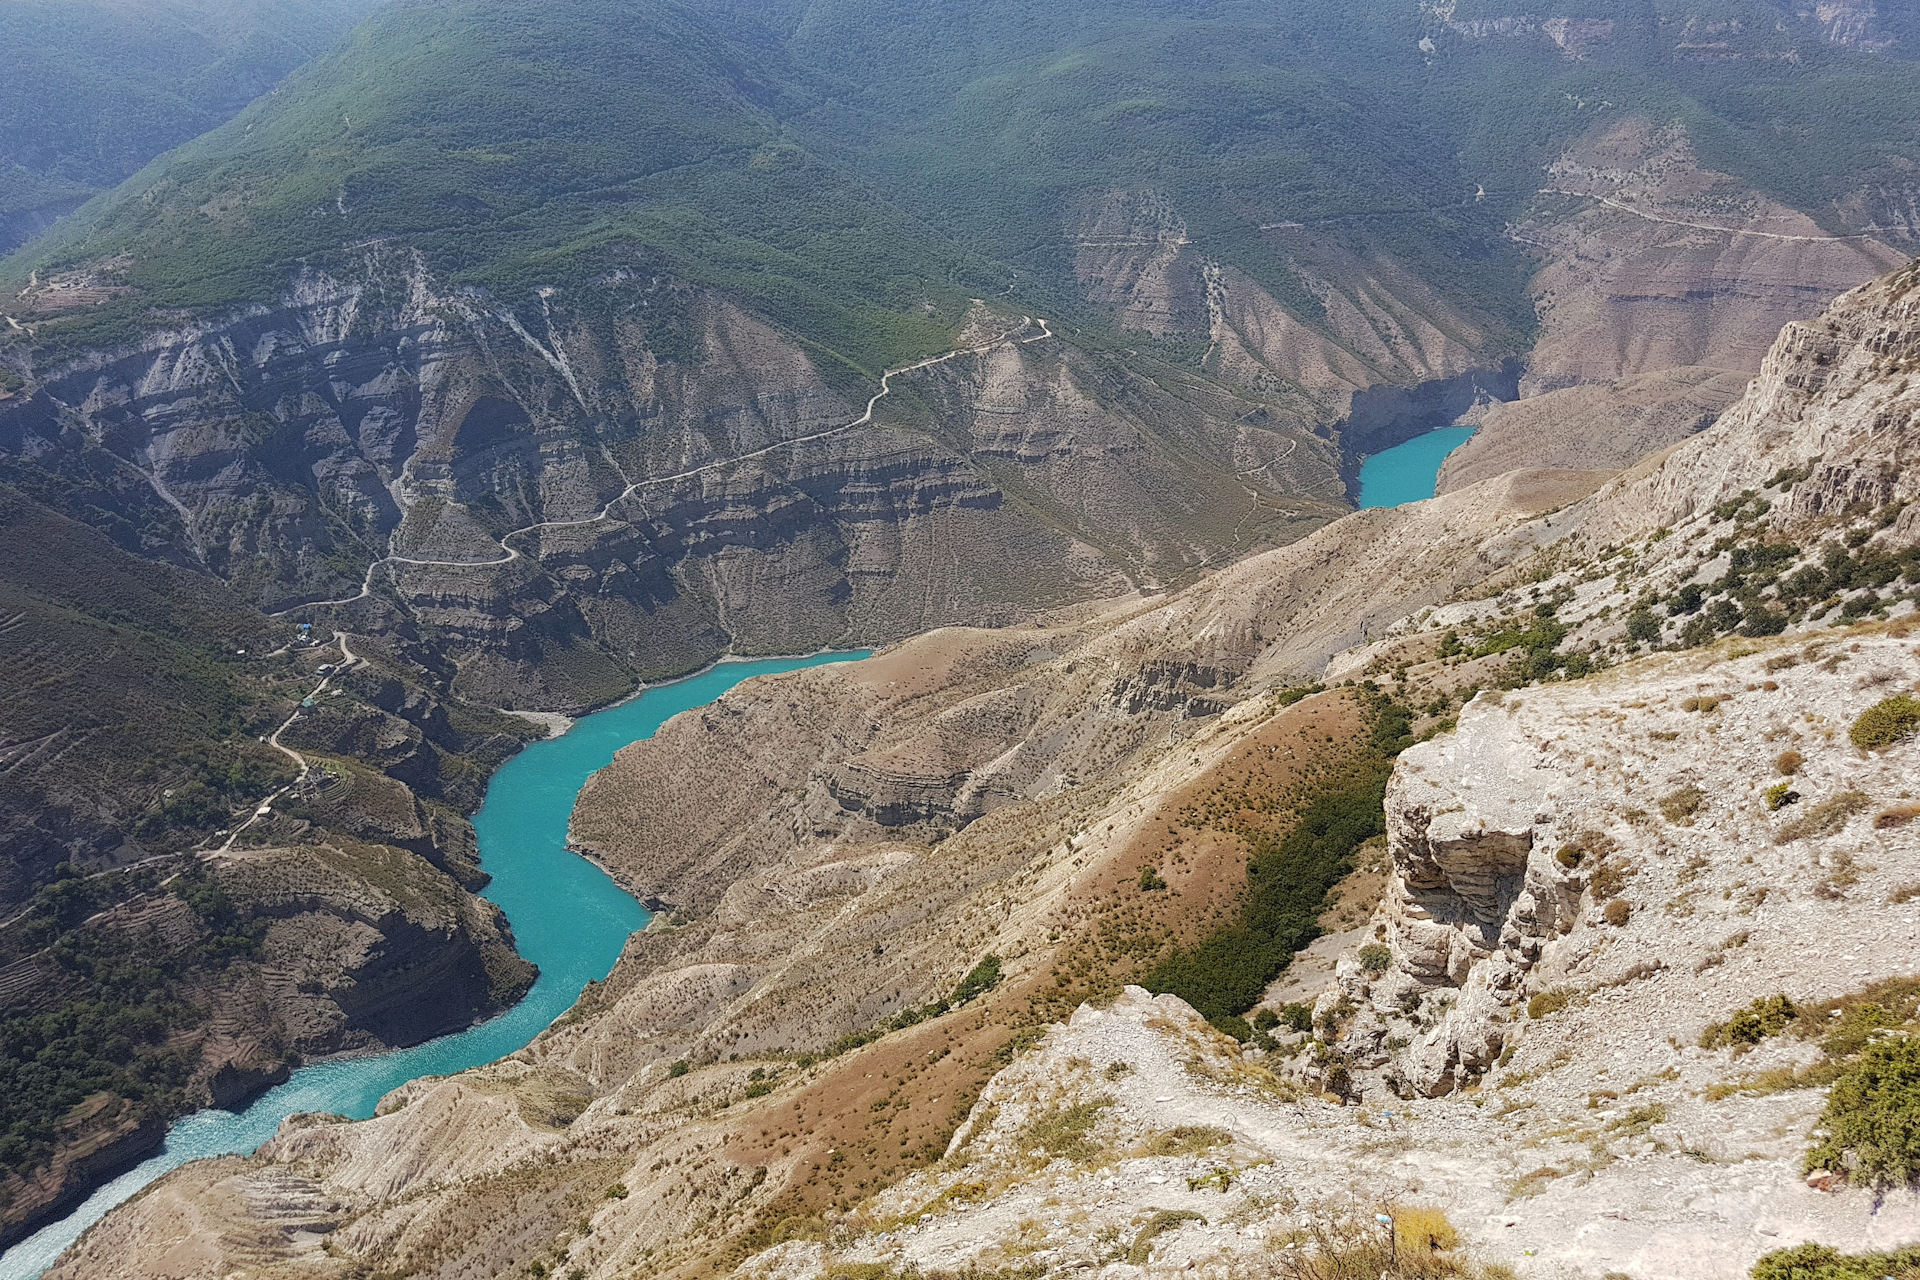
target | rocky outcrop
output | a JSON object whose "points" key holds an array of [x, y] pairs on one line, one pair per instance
{"points": [[1511, 835], [278, 955]]}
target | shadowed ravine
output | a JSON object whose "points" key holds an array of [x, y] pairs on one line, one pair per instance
{"points": [[567, 915]]}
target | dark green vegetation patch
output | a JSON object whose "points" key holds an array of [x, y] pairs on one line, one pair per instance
{"points": [[1886, 722], [1289, 872], [1824, 1262]]}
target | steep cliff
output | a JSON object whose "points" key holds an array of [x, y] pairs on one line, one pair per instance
{"points": [[217, 976], [651, 475]]}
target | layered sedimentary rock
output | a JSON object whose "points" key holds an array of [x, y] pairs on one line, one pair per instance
{"points": [[1651, 261], [642, 474], [283, 954]]}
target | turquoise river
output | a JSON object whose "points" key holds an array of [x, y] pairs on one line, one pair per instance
{"points": [[1408, 472], [568, 917]]}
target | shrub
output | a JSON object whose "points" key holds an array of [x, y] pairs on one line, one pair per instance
{"points": [[1065, 1131], [1265, 1019], [1150, 879], [1617, 913], [1898, 815], [1641, 1119], [1159, 1224], [1187, 1140], [1872, 1120], [1376, 958], [1356, 1247], [1763, 1018], [1289, 872], [1885, 723], [677, 1070], [1823, 1262], [980, 979], [618, 1191], [1298, 1017], [1422, 1229], [1643, 626], [1550, 1001], [1678, 806], [1788, 762], [1780, 795], [1824, 818], [1234, 1027]]}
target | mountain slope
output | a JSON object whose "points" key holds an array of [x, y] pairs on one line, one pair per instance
{"points": [[90, 92]]}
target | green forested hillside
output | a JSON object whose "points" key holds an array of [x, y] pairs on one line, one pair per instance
{"points": [[90, 90], [856, 169]]}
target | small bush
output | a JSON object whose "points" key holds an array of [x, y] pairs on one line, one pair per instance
{"points": [[1159, 1224], [1549, 1002], [1150, 879], [1640, 1119], [1701, 705], [1376, 958], [1788, 762], [1356, 1247], [1298, 1017], [1759, 1020], [1265, 1019], [618, 1191], [1824, 818], [1885, 723], [1823, 1262], [1679, 806], [1780, 795], [1187, 1140], [1422, 1229], [1066, 1131], [1617, 913], [677, 1070], [1872, 1120], [1609, 879], [1898, 815]]}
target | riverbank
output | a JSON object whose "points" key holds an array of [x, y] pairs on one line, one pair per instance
{"points": [[567, 915]]}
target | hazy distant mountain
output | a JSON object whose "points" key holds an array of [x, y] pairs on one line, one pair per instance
{"points": [[90, 90]]}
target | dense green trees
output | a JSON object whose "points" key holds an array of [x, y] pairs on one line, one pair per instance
{"points": [[859, 170]]}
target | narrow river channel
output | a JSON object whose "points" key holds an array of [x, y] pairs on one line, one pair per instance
{"points": [[568, 917]]}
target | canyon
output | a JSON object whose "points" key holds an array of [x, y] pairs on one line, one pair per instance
{"points": [[747, 1092], [777, 331]]}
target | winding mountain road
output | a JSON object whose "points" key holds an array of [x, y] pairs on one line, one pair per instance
{"points": [[511, 554], [1611, 203], [347, 662]]}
